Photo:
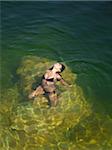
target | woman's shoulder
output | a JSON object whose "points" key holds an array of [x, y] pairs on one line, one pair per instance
{"points": [[58, 76]]}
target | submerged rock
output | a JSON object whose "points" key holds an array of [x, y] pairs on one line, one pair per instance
{"points": [[33, 125], [37, 119]]}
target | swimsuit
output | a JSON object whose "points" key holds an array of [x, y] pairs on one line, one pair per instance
{"points": [[48, 85]]}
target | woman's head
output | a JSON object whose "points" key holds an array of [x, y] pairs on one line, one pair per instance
{"points": [[58, 67]]}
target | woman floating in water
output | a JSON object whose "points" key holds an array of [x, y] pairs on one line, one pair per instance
{"points": [[48, 83]]}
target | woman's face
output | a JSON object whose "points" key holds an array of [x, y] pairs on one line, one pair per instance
{"points": [[57, 67]]}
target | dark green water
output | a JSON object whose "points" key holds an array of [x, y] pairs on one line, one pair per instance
{"points": [[78, 33]]}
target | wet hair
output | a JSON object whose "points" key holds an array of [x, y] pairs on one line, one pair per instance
{"points": [[51, 68], [63, 68]]}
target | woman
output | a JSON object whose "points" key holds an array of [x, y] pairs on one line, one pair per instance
{"points": [[48, 83]]}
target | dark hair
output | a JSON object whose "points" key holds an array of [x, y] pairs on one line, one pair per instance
{"points": [[51, 68], [63, 68]]}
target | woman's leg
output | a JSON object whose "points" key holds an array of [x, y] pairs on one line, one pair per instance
{"points": [[53, 98], [39, 91]]}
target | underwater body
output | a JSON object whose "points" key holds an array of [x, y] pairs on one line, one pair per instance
{"points": [[36, 35]]}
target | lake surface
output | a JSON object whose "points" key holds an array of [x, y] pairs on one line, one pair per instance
{"points": [[76, 33]]}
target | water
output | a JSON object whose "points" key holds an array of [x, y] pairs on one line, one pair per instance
{"points": [[77, 33]]}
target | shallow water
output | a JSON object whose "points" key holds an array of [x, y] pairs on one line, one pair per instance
{"points": [[78, 34]]}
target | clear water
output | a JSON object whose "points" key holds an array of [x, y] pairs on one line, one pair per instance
{"points": [[80, 35]]}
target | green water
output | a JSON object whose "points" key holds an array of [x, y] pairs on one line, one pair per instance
{"points": [[37, 34]]}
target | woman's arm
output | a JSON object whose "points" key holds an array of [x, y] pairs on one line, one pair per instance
{"points": [[64, 82]]}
